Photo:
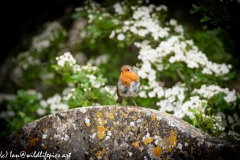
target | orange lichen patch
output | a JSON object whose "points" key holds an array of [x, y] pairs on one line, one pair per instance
{"points": [[91, 131], [101, 135], [112, 128], [101, 130], [58, 121], [43, 130], [136, 144], [44, 147], [134, 118], [158, 123], [169, 149], [173, 138], [50, 146], [99, 114], [125, 115], [121, 132], [153, 118], [103, 121], [104, 151], [110, 115], [99, 153], [105, 158], [32, 143], [88, 124], [148, 140], [157, 151]]}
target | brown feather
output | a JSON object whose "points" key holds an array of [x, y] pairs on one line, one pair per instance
{"points": [[120, 99]]}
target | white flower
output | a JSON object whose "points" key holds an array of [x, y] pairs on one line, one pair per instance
{"points": [[234, 134], [161, 7], [7, 114], [142, 94], [58, 107], [151, 94], [66, 58], [90, 18], [173, 22], [41, 111], [118, 8], [112, 34], [121, 37], [43, 103], [211, 90], [101, 59]]}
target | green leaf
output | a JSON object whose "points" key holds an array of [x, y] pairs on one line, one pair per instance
{"points": [[194, 121], [21, 114], [195, 8], [76, 15], [205, 18]]}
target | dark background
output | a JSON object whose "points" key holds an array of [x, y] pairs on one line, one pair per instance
{"points": [[21, 20]]}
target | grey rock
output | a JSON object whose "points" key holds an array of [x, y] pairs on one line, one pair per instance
{"points": [[113, 132]]}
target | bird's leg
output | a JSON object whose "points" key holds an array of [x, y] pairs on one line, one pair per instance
{"points": [[134, 102], [124, 104]]}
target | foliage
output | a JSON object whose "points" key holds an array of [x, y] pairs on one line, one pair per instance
{"points": [[217, 11], [176, 75]]}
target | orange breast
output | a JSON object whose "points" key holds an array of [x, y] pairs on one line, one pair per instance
{"points": [[127, 77]]}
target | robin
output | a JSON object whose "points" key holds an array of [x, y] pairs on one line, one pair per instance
{"points": [[128, 84]]}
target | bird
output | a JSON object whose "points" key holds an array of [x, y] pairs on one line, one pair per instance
{"points": [[128, 84]]}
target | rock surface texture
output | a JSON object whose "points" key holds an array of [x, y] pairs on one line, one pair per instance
{"points": [[112, 132]]}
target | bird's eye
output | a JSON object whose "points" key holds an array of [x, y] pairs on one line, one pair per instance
{"points": [[127, 69]]}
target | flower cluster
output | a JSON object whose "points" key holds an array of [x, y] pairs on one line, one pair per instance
{"points": [[25, 60], [6, 97], [111, 90], [211, 90], [66, 58], [234, 134], [119, 8], [101, 59], [84, 82], [142, 23], [163, 55], [52, 32], [55, 104], [177, 49]]}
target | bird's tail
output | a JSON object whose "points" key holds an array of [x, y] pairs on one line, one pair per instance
{"points": [[119, 100]]}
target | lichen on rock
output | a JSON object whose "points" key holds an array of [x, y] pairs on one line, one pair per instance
{"points": [[111, 132]]}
